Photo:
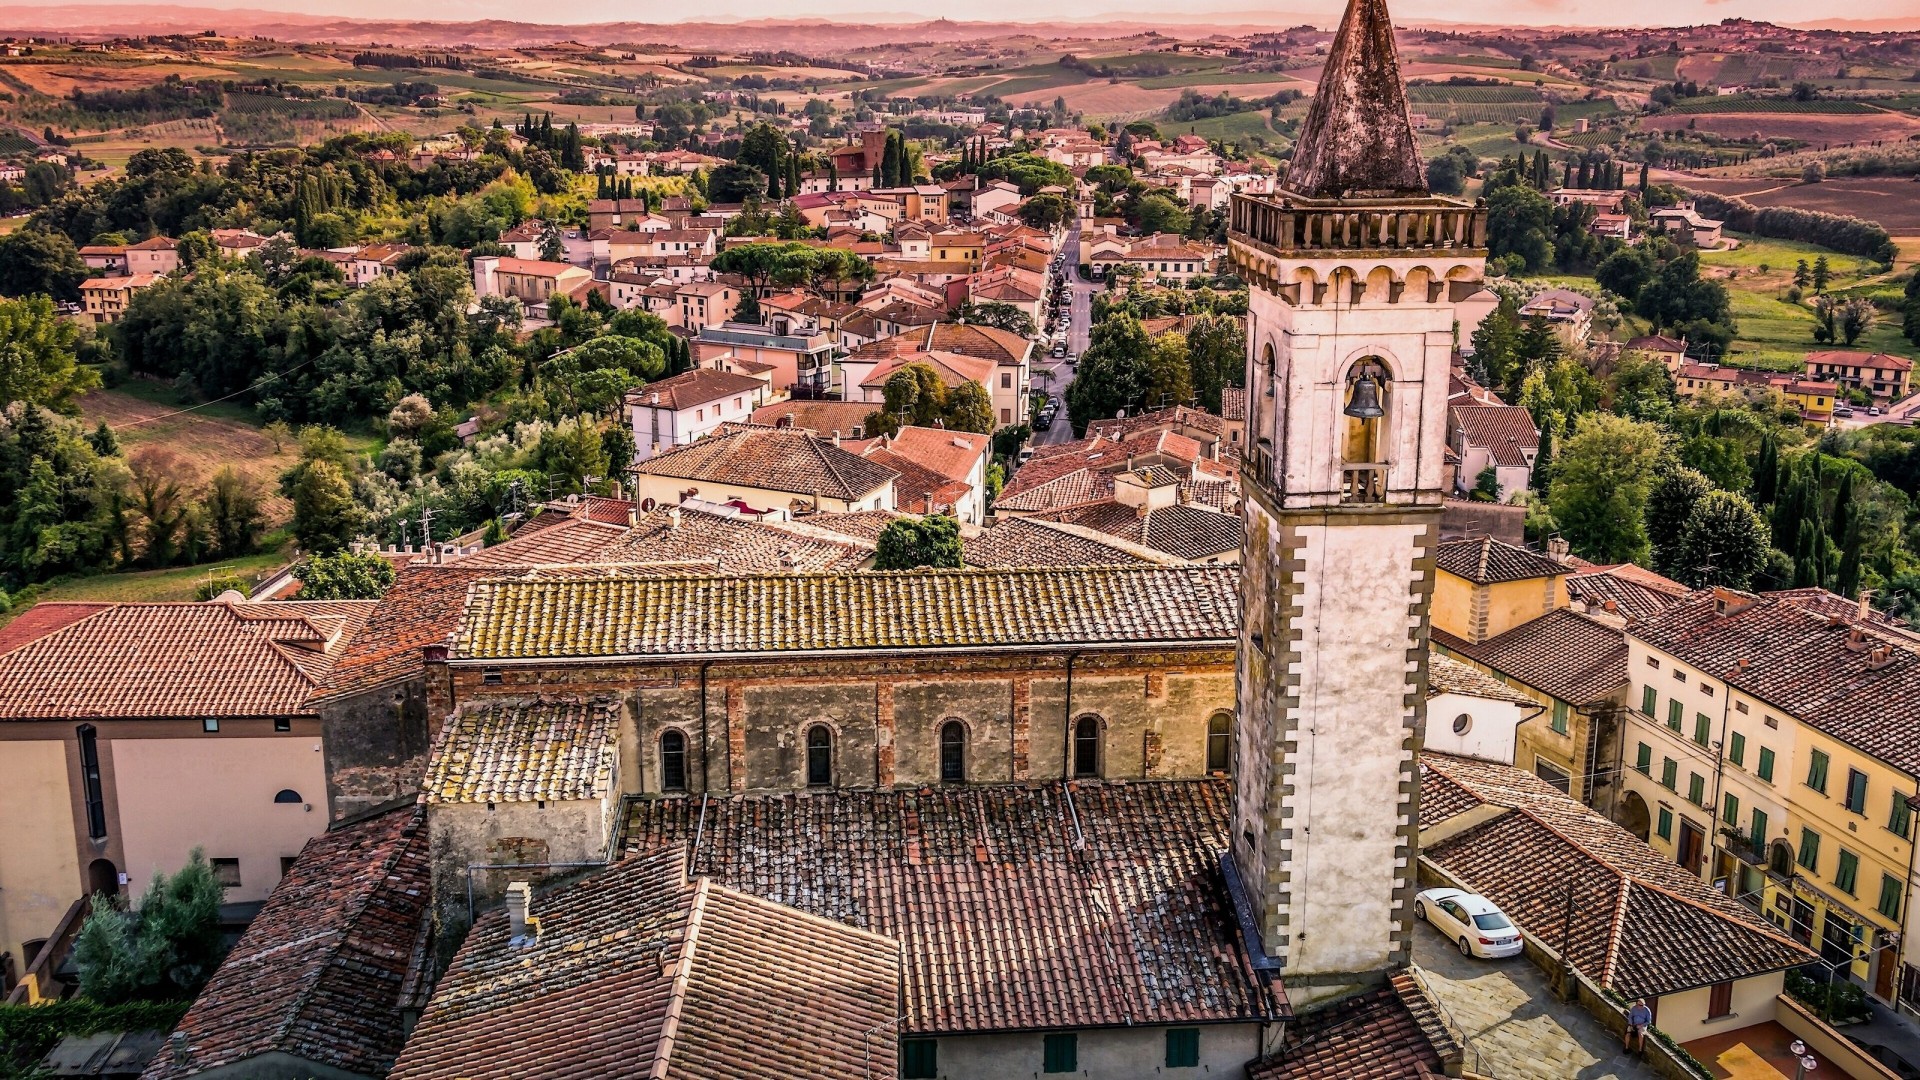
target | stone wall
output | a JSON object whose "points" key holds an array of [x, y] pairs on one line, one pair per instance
{"points": [[376, 745]]}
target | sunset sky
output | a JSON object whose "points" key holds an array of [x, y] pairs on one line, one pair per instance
{"points": [[1283, 12]]}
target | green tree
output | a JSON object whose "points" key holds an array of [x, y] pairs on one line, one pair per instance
{"points": [[38, 355], [909, 544], [1602, 476], [1520, 225], [1169, 373], [1671, 500], [997, 314], [161, 502], [1044, 211], [1724, 541], [344, 575], [1910, 309], [570, 452], [969, 407], [325, 515], [1641, 388], [165, 950], [1822, 274], [40, 261], [231, 511], [1217, 355]]}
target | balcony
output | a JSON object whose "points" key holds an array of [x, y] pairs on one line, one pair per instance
{"points": [[1285, 222], [1363, 482]]}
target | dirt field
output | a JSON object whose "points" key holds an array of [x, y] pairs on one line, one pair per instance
{"points": [[1894, 203], [61, 79], [1815, 128], [203, 442]]}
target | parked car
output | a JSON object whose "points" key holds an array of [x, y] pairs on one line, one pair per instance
{"points": [[1042, 421], [1025, 455], [1059, 350], [1873, 410], [1469, 921], [1842, 411]]}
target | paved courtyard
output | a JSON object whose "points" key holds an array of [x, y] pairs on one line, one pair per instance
{"points": [[1512, 1021]]}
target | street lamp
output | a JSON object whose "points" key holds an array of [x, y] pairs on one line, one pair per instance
{"points": [[1803, 1062]]}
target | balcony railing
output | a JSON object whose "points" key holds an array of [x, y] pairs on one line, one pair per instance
{"points": [[1284, 222], [1363, 482]]}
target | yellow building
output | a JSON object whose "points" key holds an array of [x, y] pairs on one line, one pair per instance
{"points": [[195, 736], [1767, 750], [1503, 609]]}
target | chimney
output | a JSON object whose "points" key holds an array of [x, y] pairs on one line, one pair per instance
{"points": [[836, 437], [787, 421], [439, 686], [673, 517], [633, 516], [1559, 550], [522, 929], [1865, 612], [177, 1044]]}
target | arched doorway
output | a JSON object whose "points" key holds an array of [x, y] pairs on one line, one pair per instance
{"points": [[1634, 816], [103, 877]]}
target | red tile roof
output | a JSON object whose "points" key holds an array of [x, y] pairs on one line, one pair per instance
{"points": [[1395, 1032], [1186, 532], [1486, 561], [691, 388], [639, 971], [788, 461], [823, 418], [1506, 432], [1044, 906], [178, 660], [985, 342], [322, 973], [419, 610], [1846, 358], [1569, 656], [1023, 541], [952, 454], [44, 618]]}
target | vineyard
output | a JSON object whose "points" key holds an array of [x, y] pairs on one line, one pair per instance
{"points": [[253, 119], [12, 142], [1770, 105], [1476, 95]]}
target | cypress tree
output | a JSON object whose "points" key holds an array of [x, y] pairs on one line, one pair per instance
{"points": [[1766, 472], [1643, 179], [1844, 514], [1847, 581], [833, 176]]}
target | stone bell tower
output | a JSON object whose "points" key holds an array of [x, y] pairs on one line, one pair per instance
{"points": [[1355, 269]]}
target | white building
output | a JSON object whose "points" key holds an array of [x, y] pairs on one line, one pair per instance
{"points": [[688, 406]]}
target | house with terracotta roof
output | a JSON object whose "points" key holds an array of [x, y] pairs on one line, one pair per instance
{"points": [[1498, 437], [1768, 748], [1146, 509], [328, 976], [1589, 894], [1888, 378], [957, 460], [107, 708], [154, 255], [1669, 351], [688, 406], [795, 356], [1486, 587], [105, 299], [375, 261], [1568, 312], [768, 470], [1471, 713], [532, 281], [1008, 354]]}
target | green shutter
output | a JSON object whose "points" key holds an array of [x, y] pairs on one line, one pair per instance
{"points": [[1665, 825], [1183, 1048], [1730, 809], [1856, 791], [1847, 874], [1766, 765], [1560, 717], [1900, 818], [1643, 759], [1696, 789], [1737, 748], [1809, 850], [1702, 729], [1649, 699], [1759, 837], [1889, 897], [1817, 771], [1061, 1054], [1673, 714], [919, 1059], [1669, 772]]}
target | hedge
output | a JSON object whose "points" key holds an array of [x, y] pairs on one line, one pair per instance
{"points": [[1851, 235]]}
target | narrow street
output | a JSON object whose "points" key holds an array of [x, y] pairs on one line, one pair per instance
{"points": [[1051, 375]]}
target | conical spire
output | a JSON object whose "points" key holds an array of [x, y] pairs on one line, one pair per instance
{"points": [[1357, 138]]}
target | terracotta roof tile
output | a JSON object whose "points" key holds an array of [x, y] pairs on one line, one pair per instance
{"points": [[1574, 658], [952, 454], [554, 536], [546, 749], [739, 545], [916, 609], [165, 660], [44, 618], [1446, 675], [823, 418], [320, 973], [1633, 592], [1012, 909], [1506, 432], [420, 609], [1486, 561], [1187, 532], [1019, 541], [691, 388], [985, 342], [639, 971], [1641, 925], [1394, 1032], [776, 460]]}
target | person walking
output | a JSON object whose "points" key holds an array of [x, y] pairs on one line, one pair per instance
{"points": [[1639, 1017]]}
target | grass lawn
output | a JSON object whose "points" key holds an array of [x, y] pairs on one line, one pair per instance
{"points": [[1776, 334], [177, 583], [1225, 128]]}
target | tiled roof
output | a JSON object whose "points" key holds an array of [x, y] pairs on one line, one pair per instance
{"points": [[1565, 654], [739, 545], [863, 525], [1486, 561], [174, 660], [321, 972], [985, 342], [1394, 1032], [1505, 432], [1043, 906], [691, 388], [912, 609], [1846, 358], [596, 507], [419, 610], [1070, 487], [954, 369], [1019, 541], [1633, 592], [1233, 403], [1640, 926], [638, 971], [915, 488], [823, 418], [552, 537], [1187, 532], [952, 454], [1167, 419], [1853, 680], [774, 460], [1822, 602], [44, 618], [1446, 675], [546, 749]]}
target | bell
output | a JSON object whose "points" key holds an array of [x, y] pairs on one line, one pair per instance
{"points": [[1366, 400]]}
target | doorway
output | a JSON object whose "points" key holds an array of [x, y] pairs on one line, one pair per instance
{"points": [[1693, 846], [103, 878]]}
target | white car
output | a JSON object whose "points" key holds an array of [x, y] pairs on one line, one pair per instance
{"points": [[1470, 921]]}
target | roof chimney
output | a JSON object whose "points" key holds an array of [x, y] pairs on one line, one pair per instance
{"points": [[1865, 612], [1559, 550], [633, 516], [522, 928], [673, 517]]}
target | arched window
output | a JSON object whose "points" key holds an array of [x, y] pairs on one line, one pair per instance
{"points": [[1364, 450], [953, 752], [288, 795], [1086, 746], [673, 761], [1219, 743], [819, 756]]}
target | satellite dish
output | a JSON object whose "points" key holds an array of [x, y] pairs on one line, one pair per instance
{"points": [[646, 506]]}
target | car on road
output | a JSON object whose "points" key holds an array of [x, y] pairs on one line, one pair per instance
{"points": [[1843, 412], [1873, 410], [1469, 921], [1073, 360], [1042, 421], [1059, 350]]}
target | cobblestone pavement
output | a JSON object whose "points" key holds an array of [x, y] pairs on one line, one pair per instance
{"points": [[1513, 1021]]}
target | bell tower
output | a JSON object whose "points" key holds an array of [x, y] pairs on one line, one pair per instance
{"points": [[1355, 269]]}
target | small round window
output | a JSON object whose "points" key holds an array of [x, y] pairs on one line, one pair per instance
{"points": [[1462, 723]]}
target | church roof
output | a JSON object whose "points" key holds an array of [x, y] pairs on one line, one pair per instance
{"points": [[1357, 138]]}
